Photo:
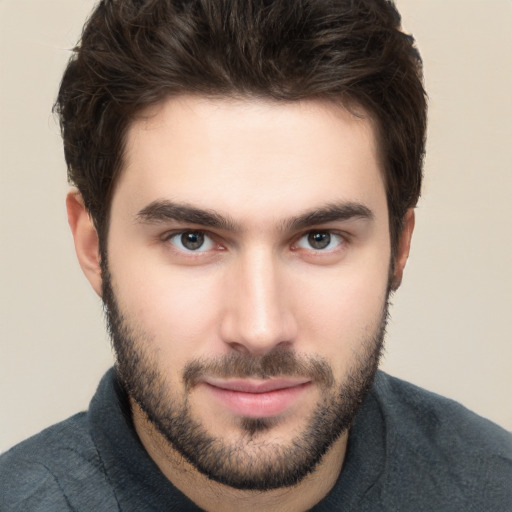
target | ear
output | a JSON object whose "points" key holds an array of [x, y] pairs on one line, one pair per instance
{"points": [[87, 245], [404, 246]]}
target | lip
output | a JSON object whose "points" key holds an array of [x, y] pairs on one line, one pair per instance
{"points": [[252, 398]]}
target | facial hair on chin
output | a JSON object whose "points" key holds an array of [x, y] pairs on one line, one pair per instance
{"points": [[254, 463]]}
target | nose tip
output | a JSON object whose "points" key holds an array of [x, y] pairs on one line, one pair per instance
{"points": [[258, 318], [258, 325]]}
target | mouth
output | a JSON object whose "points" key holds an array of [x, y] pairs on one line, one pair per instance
{"points": [[252, 398]]}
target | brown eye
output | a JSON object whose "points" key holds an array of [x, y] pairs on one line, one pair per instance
{"points": [[192, 240], [322, 240], [319, 239]]}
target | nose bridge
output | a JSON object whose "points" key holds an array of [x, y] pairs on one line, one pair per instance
{"points": [[258, 319]]}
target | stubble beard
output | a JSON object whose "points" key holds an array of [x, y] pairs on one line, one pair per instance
{"points": [[252, 462]]}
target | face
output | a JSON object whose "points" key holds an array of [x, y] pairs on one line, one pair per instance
{"points": [[246, 280]]}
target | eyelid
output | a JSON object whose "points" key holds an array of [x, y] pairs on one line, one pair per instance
{"points": [[170, 235], [345, 238], [214, 239]]}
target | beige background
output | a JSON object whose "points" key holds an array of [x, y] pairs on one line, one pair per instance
{"points": [[450, 325]]}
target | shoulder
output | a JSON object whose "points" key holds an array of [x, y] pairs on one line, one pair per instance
{"points": [[49, 470], [437, 444], [416, 412]]}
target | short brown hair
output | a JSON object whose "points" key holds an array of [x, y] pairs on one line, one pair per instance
{"points": [[135, 53]]}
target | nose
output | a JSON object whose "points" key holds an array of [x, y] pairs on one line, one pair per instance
{"points": [[258, 316]]}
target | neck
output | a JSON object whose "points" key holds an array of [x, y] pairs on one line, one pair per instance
{"points": [[217, 497]]}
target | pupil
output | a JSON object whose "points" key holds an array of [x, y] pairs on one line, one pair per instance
{"points": [[319, 240], [192, 240]]}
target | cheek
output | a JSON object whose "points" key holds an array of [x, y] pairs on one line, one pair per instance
{"points": [[342, 310], [176, 310]]}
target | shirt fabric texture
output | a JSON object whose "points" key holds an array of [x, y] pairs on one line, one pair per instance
{"points": [[408, 450]]}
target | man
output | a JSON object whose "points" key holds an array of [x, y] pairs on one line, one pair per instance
{"points": [[246, 176]]}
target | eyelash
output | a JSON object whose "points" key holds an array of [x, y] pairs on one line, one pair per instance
{"points": [[342, 239], [332, 235], [179, 234]]}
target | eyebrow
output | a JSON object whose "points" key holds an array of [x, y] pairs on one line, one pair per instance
{"points": [[332, 212], [163, 210]]}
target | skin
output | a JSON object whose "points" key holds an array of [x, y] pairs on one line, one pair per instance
{"points": [[258, 285]]}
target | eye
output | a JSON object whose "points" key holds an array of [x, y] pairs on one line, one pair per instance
{"points": [[191, 241], [320, 241]]}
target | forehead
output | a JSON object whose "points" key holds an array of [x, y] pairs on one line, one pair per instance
{"points": [[250, 157]]}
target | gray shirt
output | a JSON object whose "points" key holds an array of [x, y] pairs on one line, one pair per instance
{"points": [[408, 450]]}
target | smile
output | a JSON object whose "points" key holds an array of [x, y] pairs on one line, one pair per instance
{"points": [[257, 399]]}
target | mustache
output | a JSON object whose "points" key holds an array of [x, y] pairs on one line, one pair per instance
{"points": [[277, 363]]}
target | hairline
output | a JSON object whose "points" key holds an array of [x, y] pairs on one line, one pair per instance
{"points": [[343, 101]]}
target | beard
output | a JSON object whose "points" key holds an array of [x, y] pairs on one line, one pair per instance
{"points": [[251, 462]]}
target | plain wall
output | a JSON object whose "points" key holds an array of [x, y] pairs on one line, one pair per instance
{"points": [[450, 327]]}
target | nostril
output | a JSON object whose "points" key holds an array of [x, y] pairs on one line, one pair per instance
{"points": [[238, 347], [257, 349]]}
